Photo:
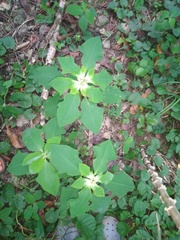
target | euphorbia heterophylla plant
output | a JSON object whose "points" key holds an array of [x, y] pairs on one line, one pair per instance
{"points": [[86, 87]]}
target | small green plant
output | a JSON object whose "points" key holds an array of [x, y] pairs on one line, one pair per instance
{"points": [[86, 15], [6, 43]]}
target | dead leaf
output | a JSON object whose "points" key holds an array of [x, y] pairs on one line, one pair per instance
{"points": [[159, 50], [147, 92], [8, 159], [13, 138], [133, 109]]}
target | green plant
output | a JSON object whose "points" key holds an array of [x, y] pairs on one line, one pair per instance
{"points": [[86, 15], [6, 43]]}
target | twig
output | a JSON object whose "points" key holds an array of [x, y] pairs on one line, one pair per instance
{"points": [[51, 38], [165, 198]]}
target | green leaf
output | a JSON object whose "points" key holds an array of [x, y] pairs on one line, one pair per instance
{"points": [[43, 75], [100, 205], [67, 193], [2, 50], [92, 52], [32, 139], [52, 129], [15, 167], [65, 159], [28, 212], [78, 183], [141, 72], [68, 65], [8, 191], [172, 22], [86, 224], [138, 5], [51, 216], [121, 184], [106, 178], [91, 116], [112, 95], [68, 110], [61, 84], [84, 169], [90, 17], [128, 143], [32, 157], [102, 79], [98, 191], [140, 207], [83, 23], [8, 42], [36, 166], [104, 153], [95, 95], [82, 200], [49, 179], [74, 10], [50, 106]]}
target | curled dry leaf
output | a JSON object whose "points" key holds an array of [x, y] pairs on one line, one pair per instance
{"points": [[13, 138]]}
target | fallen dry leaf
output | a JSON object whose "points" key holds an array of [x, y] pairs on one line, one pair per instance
{"points": [[133, 109], [13, 138]]}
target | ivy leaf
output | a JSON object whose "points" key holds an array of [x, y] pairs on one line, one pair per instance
{"points": [[32, 139], [48, 178], [91, 116], [121, 184], [82, 200], [92, 52], [68, 110], [68, 65], [104, 153], [65, 159]]}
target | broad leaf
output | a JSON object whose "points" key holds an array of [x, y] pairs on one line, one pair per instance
{"points": [[15, 167], [65, 159], [32, 139], [128, 143], [43, 75], [92, 52], [95, 95], [80, 205], [100, 205], [52, 129], [84, 169], [74, 9], [36, 166], [98, 191], [48, 178], [50, 106], [67, 193], [68, 110], [121, 184], [104, 153], [60, 84], [91, 116], [83, 23], [68, 65], [106, 178], [103, 79], [86, 224], [32, 157], [78, 183]]}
